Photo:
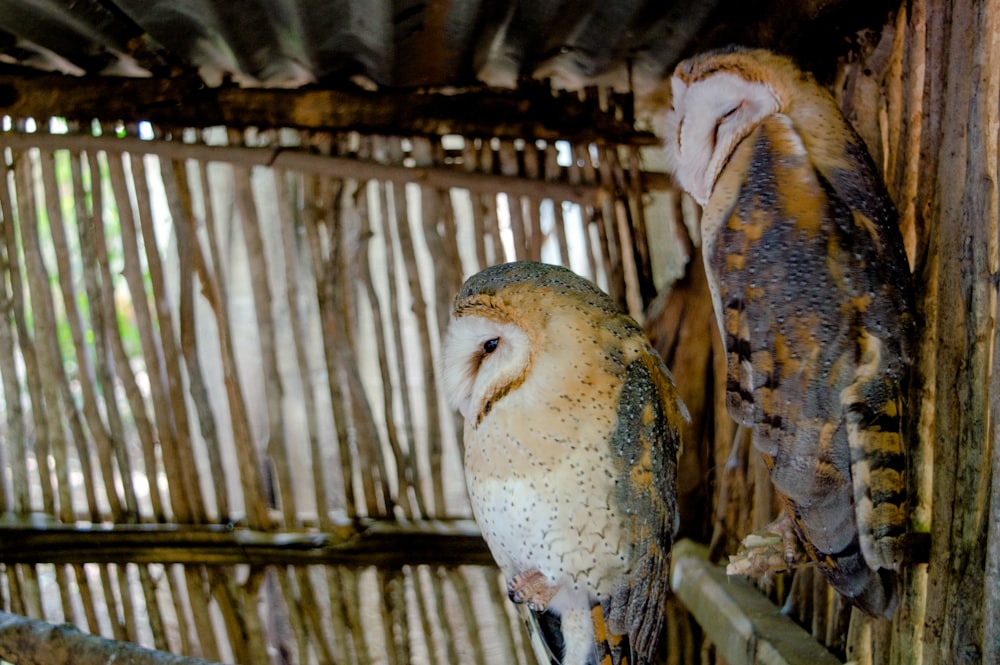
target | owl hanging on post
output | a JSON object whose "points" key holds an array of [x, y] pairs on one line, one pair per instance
{"points": [[571, 434], [812, 292]]}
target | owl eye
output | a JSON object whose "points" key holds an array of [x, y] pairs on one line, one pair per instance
{"points": [[722, 119], [490, 345]]}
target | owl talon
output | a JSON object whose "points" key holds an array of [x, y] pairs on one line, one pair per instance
{"points": [[785, 529], [776, 548], [532, 588]]}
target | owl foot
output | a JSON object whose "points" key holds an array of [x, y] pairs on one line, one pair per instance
{"points": [[532, 588], [775, 549]]}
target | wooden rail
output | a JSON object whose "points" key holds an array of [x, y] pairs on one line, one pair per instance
{"points": [[377, 542]]}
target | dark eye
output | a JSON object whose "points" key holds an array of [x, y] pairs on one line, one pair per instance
{"points": [[490, 345]]}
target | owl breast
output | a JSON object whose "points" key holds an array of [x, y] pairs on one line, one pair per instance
{"points": [[535, 491]]}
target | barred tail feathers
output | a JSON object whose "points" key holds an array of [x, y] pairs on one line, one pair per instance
{"points": [[873, 416]]}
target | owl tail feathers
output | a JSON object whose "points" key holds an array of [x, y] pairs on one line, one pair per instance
{"points": [[874, 592], [873, 408], [567, 640]]}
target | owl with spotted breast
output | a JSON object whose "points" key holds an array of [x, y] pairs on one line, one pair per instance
{"points": [[812, 292], [571, 435]]}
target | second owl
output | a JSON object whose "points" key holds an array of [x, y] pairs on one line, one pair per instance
{"points": [[812, 291]]}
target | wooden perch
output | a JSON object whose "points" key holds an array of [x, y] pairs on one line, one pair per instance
{"points": [[745, 627], [31, 642]]}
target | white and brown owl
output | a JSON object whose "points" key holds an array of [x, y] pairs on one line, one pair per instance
{"points": [[812, 291], [571, 435]]}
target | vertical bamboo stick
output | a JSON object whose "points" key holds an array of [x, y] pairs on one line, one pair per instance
{"points": [[213, 278], [49, 361], [130, 621], [119, 361], [151, 344], [274, 390], [423, 312], [104, 372], [87, 599], [350, 603], [347, 273], [174, 177], [172, 574], [507, 155], [346, 649], [532, 205], [553, 172], [195, 580], [470, 158], [152, 607], [612, 242], [289, 246], [393, 619], [396, 341], [432, 590], [114, 612], [635, 193], [322, 197], [39, 410], [178, 455], [468, 614], [313, 619], [247, 600], [239, 626], [14, 456], [403, 463], [86, 378]]}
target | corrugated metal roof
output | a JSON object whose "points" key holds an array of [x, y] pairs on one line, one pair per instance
{"points": [[413, 43]]}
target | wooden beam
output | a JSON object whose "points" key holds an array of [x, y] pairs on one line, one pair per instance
{"points": [[534, 113], [292, 159], [744, 626], [384, 543]]}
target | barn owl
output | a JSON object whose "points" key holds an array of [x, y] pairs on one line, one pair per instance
{"points": [[571, 435], [812, 292]]}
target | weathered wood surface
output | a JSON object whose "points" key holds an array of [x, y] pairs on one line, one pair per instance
{"points": [[534, 113], [386, 543], [745, 627]]}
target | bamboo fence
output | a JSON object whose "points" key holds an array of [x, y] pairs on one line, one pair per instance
{"points": [[224, 434]]}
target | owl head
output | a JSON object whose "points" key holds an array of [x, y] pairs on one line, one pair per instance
{"points": [[501, 319], [718, 98]]}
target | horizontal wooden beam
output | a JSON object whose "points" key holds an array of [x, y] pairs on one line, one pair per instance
{"points": [[383, 543], [298, 160], [745, 627], [533, 113]]}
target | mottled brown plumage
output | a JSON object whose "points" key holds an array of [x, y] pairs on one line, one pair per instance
{"points": [[813, 296], [571, 436]]}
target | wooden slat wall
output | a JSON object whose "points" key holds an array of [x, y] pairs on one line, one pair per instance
{"points": [[222, 327]]}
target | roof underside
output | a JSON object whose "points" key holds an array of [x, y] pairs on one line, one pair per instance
{"points": [[626, 44]]}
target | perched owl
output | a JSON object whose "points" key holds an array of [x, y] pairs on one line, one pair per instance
{"points": [[571, 436], [812, 291]]}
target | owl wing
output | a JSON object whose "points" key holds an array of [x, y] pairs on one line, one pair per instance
{"points": [[645, 444], [884, 305], [816, 323]]}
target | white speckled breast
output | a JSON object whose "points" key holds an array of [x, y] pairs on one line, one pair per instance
{"points": [[544, 500]]}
